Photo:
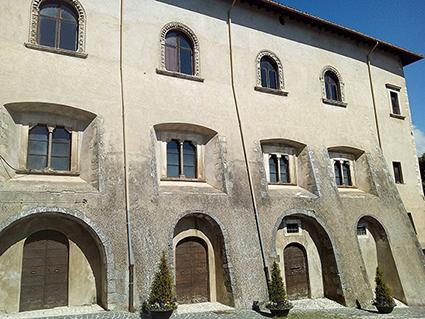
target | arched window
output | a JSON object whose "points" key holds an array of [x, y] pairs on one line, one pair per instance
{"points": [[49, 148], [179, 53], [189, 160], [279, 169], [269, 73], [333, 90], [342, 172], [58, 25], [273, 163], [173, 158]]}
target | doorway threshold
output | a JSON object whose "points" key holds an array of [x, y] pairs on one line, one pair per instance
{"points": [[203, 307]]}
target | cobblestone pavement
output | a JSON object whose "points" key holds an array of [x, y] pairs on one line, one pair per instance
{"points": [[340, 313]]}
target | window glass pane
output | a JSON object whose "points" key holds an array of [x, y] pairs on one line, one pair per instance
{"points": [[332, 86], [173, 159], [292, 228], [338, 173], [171, 58], [60, 163], [273, 169], [171, 39], [186, 64], [394, 103], [347, 174], [68, 13], [263, 77], [273, 79], [398, 175], [189, 160], [284, 170], [47, 31], [68, 35], [334, 92], [49, 9], [37, 148], [36, 162], [185, 42]]}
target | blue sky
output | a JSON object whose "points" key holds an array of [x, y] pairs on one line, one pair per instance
{"points": [[400, 22]]}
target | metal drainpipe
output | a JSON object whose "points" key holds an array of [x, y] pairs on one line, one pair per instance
{"points": [[126, 188], [373, 93], [248, 170]]}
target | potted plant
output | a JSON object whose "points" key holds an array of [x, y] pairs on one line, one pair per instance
{"points": [[384, 302], [162, 301], [279, 305]]}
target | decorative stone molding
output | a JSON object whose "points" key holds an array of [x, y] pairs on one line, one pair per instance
{"points": [[341, 86], [274, 57], [82, 20], [188, 32]]}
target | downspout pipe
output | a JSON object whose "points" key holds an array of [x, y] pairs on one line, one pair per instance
{"points": [[248, 170], [373, 93], [126, 185]]}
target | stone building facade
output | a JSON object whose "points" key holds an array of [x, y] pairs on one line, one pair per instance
{"points": [[228, 134]]}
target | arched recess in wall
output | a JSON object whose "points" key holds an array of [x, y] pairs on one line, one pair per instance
{"points": [[301, 228], [87, 273], [200, 259], [376, 252]]}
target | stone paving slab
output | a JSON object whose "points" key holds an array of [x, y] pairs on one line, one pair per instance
{"points": [[340, 313]]}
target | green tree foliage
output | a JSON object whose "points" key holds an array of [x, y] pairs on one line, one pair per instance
{"points": [[277, 290], [382, 292], [162, 295], [422, 169]]}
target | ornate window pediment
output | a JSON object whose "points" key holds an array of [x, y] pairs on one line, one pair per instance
{"points": [[269, 73]]}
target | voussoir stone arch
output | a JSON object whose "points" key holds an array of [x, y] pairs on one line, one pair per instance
{"points": [[79, 217], [177, 26], [276, 59], [82, 21], [330, 68]]}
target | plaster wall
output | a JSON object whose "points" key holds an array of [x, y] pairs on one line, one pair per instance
{"points": [[370, 258]]}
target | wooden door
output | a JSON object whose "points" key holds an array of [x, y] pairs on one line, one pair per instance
{"points": [[44, 281], [296, 272], [192, 276]]}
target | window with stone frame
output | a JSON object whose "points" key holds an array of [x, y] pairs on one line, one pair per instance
{"points": [[398, 173], [394, 101], [332, 87], [58, 26], [49, 148], [280, 164], [269, 74], [343, 168]]}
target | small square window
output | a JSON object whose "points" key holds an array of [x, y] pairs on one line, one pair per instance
{"points": [[361, 230], [398, 174], [395, 103], [292, 228]]}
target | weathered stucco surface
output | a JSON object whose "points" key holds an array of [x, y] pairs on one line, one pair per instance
{"points": [[86, 93]]}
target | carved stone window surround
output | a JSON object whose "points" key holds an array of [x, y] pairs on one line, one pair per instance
{"points": [[325, 100], [281, 82], [33, 32], [177, 26]]}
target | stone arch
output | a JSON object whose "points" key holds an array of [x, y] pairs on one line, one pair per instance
{"points": [[375, 249], [82, 21], [209, 229], [276, 59], [330, 68], [188, 32], [79, 229], [329, 259]]}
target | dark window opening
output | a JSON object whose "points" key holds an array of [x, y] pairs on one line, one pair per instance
{"points": [[398, 174], [342, 171], [269, 73], [279, 169], [361, 230], [332, 86], [395, 103], [178, 53], [58, 25], [292, 228]]}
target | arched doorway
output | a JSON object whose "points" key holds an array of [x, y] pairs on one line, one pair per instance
{"points": [[376, 252], [45, 240], [192, 273], [200, 260], [44, 281], [306, 256], [296, 272]]}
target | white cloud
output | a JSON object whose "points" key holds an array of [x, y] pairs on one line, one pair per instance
{"points": [[420, 140]]}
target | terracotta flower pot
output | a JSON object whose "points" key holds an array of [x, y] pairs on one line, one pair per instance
{"points": [[385, 309], [279, 312], [157, 314]]}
